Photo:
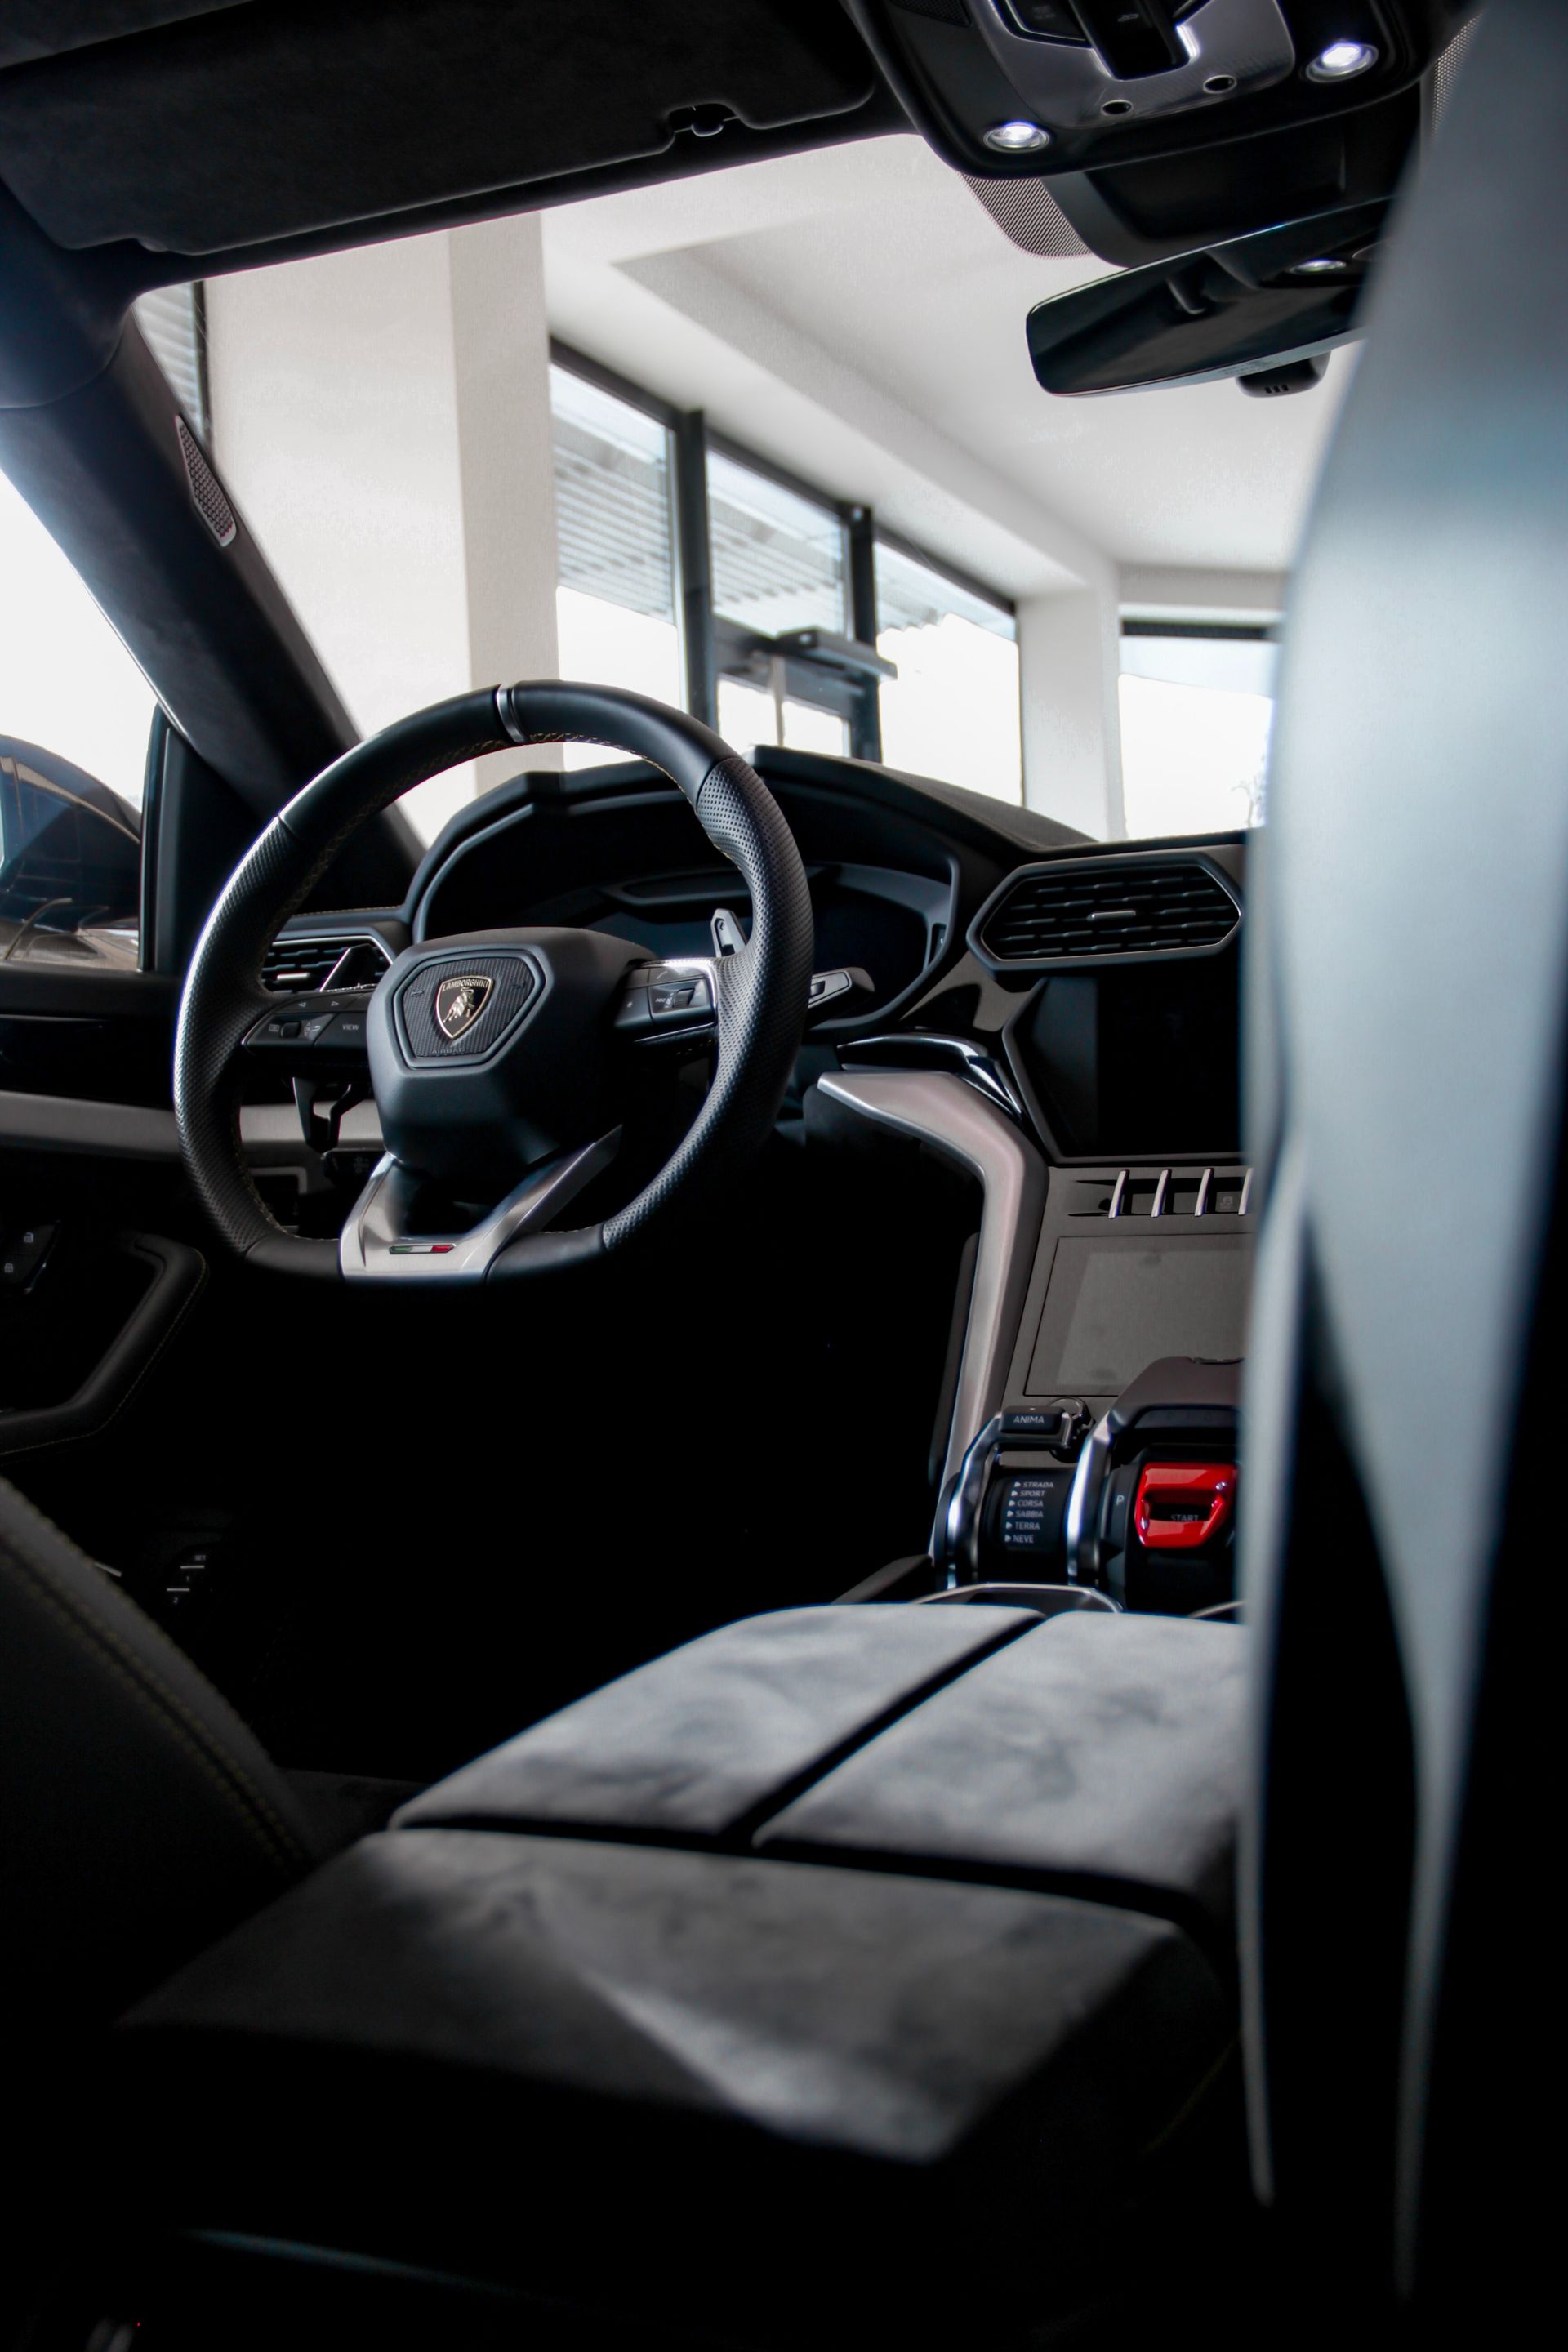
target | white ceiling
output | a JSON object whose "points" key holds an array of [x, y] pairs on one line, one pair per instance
{"points": [[858, 316]]}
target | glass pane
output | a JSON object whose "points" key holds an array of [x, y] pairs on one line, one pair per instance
{"points": [[67, 683], [615, 606], [809, 727], [1196, 719], [748, 716], [778, 559], [173, 321], [952, 710], [70, 864]]}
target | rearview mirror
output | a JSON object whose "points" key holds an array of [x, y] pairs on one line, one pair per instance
{"points": [[1267, 306]]}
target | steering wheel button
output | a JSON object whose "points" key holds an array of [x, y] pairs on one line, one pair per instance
{"points": [[344, 1029]]}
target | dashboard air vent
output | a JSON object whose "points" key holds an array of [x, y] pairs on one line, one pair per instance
{"points": [[346, 960], [1128, 907]]}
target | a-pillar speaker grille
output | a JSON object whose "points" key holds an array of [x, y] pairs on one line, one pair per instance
{"points": [[207, 490]]}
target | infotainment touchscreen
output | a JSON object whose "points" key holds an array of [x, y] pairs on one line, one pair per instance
{"points": [[1117, 1302], [1138, 1059]]}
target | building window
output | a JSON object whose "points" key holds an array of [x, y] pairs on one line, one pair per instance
{"points": [[1197, 704], [751, 714], [172, 320], [615, 606], [779, 559], [691, 571], [952, 710]]}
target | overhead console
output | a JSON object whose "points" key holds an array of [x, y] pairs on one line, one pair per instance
{"points": [[1022, 88]]}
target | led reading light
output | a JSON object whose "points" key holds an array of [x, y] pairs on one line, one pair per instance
{"points": [[1019, 138], [1342, 61]]}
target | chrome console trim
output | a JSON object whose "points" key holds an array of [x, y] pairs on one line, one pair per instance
{"points": [[914, 1049], [948, 1114]]}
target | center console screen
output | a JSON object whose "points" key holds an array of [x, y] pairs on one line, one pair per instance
{"points": [[1139, 1059], [1116, 1304]]}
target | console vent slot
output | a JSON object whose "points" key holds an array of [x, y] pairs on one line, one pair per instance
{"points": [[1133, 908], [1163, 1192], [346, 960]]}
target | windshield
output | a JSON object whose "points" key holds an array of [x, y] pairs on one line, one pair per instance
{"points": [[766, 444]]}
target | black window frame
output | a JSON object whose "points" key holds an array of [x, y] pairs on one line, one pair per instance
{"points": [[845, 679], [1234, 633]]}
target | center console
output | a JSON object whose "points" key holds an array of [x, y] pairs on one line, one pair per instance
{"points": [[1094, 1439]]}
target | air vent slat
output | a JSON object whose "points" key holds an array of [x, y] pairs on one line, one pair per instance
{"points": [[343, 959], [1121, 908]]}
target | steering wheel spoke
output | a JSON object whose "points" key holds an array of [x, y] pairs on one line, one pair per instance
{"points": [[380, 1242]]}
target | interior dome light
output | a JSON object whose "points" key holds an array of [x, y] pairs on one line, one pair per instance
{"points": [[1342, 60], [1019, 138]]}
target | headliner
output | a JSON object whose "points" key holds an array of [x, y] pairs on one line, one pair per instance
{"points": [[214, 134]]}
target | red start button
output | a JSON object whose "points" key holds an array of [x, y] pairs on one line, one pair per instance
{"points": [[1182, 1505]]}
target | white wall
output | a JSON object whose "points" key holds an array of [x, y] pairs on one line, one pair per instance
{"points": [[501, 356], [1175, 591], [382, 417], [1069, 658]]}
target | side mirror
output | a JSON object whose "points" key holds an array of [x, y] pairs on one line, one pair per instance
{"points": [[70, 855], [1272, 304]]}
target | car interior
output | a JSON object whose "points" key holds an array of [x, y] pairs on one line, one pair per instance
{"points": [[767, 1456]]}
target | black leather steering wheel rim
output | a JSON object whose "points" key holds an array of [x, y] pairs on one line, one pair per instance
{"points": [[762, 993]]}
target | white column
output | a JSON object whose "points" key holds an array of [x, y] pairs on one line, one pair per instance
{"points": [[501, 342], [1069, 662], [382, 417]]}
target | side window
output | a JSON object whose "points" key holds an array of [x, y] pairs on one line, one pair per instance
{"points": [[74, 713], [70, 863], [1197, 707]]}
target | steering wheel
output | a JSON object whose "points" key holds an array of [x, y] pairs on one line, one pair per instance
{"points": [[498, 1059]]}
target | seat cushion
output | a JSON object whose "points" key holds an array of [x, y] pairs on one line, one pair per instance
{"points": [[141, 1817]]}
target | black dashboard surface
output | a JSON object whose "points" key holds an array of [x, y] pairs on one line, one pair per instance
{"points": [[1113, 1056]]}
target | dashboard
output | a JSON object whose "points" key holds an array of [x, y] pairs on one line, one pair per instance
{"points": [[1058, 1018], [1094, 989]]}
